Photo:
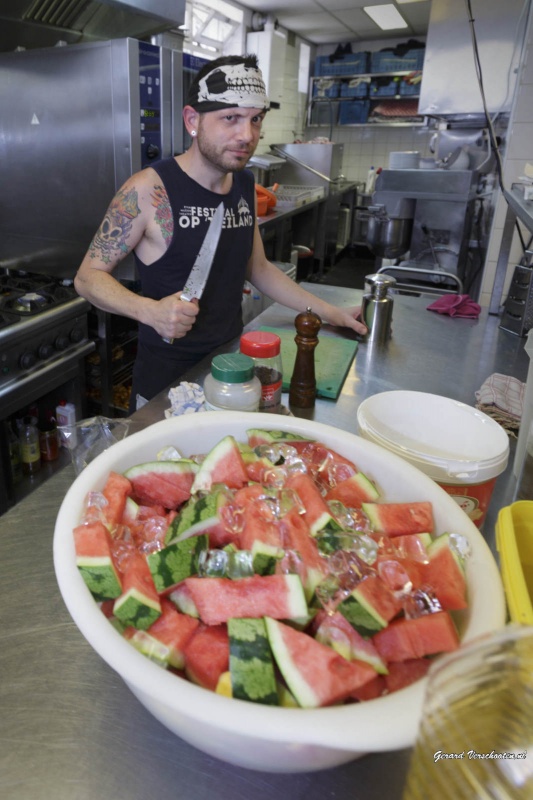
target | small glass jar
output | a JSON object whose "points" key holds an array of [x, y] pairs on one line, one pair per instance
{"points": [[232, 385], [30, 452], [265, 349], [49, 440]]}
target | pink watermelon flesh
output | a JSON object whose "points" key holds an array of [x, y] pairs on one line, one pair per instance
{"points": [[169, 489], [351, 492], [220, 599], [174, 630], [427, 635], [92, 540], [397, 519], [297, 537], [404, 673], [317, 512], [446, 578], [207, 655], [223, 464], [315, 674], [377, 594], [116, 491], [260, 530]]}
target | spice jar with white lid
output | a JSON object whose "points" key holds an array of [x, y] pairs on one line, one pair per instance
{"points": [[232, 384], [265, 349]]}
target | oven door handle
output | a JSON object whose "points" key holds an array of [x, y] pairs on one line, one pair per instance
{"points": [[66, 359]]}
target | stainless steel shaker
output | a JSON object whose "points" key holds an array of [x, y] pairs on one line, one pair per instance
{"points": [[376, 308]]}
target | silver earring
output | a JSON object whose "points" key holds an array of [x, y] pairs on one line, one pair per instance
{"points": [[193, 133]]}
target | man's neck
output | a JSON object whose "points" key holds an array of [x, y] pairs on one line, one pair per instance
{"points": [[204, 173]]}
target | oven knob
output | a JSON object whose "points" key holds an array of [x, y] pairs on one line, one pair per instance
{"points": [[27, 360], [76, 335], [61, 343], [45, 351], [152, 151]]}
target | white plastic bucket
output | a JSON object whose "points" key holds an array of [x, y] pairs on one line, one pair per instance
{"points": [[461, 448]]}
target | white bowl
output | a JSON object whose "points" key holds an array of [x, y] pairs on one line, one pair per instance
{"points": [[247, 734]]}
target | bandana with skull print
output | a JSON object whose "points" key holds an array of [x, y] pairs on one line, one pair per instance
{"points": [[229, 86]]}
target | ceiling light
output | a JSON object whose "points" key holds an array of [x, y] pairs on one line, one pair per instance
{"points": [[387, 17], [401, 2]]}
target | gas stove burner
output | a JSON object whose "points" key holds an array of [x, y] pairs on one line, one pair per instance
{"points": [[27, 304]]}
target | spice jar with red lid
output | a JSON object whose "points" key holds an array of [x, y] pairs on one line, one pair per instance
{"points": [[265, 349]]}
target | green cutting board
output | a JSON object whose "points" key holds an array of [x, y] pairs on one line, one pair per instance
{"points": [[333, 357]]}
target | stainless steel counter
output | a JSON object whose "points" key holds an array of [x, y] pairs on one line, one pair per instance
{"points": [[69, 727]]}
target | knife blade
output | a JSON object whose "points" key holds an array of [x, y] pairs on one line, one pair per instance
{"points": [[195, 283]]}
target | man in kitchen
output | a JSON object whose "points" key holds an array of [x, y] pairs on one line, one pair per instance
{"points": [[162, 214]]}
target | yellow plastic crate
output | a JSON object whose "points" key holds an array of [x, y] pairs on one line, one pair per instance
{"points": [[514, 540]]}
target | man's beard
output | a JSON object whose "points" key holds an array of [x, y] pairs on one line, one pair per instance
{"points": [[226, 163]]}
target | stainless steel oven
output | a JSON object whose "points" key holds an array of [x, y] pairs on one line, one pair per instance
{"points": [[78, 121], [43, 344]]}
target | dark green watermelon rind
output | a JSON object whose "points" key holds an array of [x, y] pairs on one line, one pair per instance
{"points": [[176, 561], [100, 577], [276, 437], [197, 515], [361, 616], [136, 609], [251, 665]]}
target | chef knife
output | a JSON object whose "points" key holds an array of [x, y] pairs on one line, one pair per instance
{"points": [[201, 268]]}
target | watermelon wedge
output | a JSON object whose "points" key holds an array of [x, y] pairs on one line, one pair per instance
{"points": [[427, 635], [167, 483], [335, 631], [175, 562], [444, 574], [354, 491], [395, 519], [116, 491], [139, 604], [207, 655], [258, 436], [370, 606], [223, 464], [250, 662], [201, 515], [94, 559], [404, 673], [296, 536], [315, 674], [220, 599], [317, 513], [166, 637]]}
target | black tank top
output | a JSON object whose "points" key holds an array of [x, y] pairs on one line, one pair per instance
{"points": [[219, 319]]}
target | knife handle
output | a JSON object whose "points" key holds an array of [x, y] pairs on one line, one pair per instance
{"points": [[187, 300]]}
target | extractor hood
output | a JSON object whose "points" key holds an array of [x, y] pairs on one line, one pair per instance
{"points": [[43, 23]]}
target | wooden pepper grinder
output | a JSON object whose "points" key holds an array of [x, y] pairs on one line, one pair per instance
{"points": [[302, 390]]}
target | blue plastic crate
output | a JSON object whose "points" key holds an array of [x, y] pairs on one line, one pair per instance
{"points": [[388, 61], [349, 64], [388, 87], [354, 87], [354, 112], [326, 87], [409, 89]]}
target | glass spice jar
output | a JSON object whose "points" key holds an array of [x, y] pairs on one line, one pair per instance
{"points": [[232, 385], [265, 349], [30, 453], [49, 439]]}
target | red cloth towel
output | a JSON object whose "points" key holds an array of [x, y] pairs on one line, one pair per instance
{"points": [[456, 305]]}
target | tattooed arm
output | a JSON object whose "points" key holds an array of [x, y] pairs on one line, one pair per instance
{"points": [[138, 218]]}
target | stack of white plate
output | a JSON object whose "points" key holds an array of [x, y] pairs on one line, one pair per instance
{"points": [[405, 159]]}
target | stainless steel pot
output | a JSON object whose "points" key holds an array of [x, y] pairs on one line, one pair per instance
{"points": [[388, 237]]}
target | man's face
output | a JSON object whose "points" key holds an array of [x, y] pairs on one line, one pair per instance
{"points": [[228, 138]]}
